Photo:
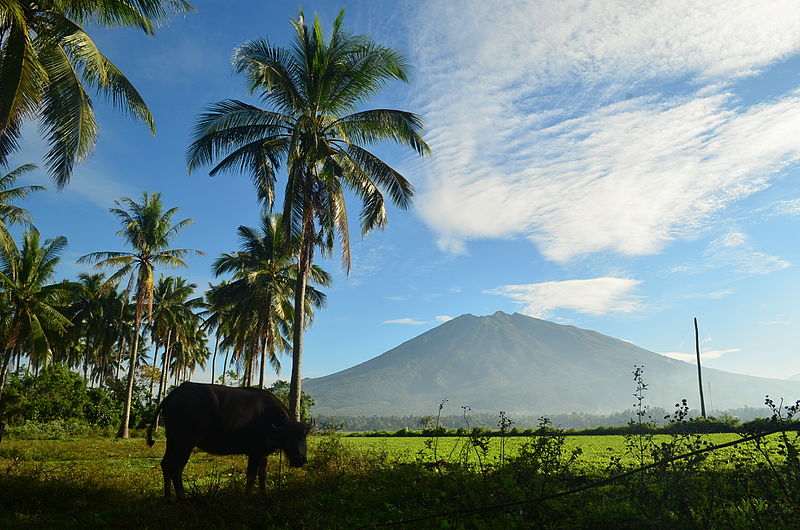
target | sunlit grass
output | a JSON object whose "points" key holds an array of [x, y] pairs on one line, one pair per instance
{"points": [[348, 482]]}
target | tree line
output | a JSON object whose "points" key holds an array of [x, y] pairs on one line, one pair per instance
{"points": [[312, 130]]}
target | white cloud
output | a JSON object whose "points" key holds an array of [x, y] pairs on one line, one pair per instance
{"points": [[443, 318], [791, 207], [596, 296], [551, 121], [692, 357], [734, 250]]}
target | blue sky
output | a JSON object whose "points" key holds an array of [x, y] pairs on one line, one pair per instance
{"points": [[616, 166]]}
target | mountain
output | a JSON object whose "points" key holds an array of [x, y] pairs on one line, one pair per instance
{"points": [[524, 365]]}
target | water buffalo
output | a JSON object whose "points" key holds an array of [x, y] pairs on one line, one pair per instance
{"points": [[224, 421]]}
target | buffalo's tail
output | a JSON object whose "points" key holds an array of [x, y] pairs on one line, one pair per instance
{"points": [[150, 440]]}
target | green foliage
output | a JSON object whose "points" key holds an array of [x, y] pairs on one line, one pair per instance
{"points": [[101, 408], [59, 397], [281, 390], [49, 64], [49, 430], [57, 394]]}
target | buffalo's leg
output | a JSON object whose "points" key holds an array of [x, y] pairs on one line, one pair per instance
{"points": [[172, 465], [262, 475], [252, 466], [166, 469], [253, 469]]}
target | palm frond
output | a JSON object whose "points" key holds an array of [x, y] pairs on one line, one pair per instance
{"points": [[67, 118]]}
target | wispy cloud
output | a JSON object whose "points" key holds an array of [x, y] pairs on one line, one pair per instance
{"points": [[407, 321], [413, 322], [585, 150], [596, 296], [691, 357], [734, 250]]}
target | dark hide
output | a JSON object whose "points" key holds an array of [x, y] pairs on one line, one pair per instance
{"points": [[224, 421]]}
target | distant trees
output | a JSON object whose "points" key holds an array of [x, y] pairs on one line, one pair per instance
{"points": [[258, 298], [147, 228], [313, 91], [28, 300]]}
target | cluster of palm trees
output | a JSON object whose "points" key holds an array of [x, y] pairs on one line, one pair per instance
{"points": [[312, 127], [98, 324]]}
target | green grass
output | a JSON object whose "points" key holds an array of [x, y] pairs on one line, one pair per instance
{"points": [[349, 482]]}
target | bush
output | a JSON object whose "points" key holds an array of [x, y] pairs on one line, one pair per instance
{"points": [[49, 430], [101, 408]]}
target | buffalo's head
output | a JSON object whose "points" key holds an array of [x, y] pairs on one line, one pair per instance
{"points": [[292, 440]]}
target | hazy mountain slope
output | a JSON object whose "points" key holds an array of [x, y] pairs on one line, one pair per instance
{"points": [[525, 365]]}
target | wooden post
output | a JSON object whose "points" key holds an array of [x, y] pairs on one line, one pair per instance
{"points": [[699, 373]]}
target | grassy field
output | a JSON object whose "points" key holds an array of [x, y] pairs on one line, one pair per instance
{"points": [[596, 451], [353, 482]]}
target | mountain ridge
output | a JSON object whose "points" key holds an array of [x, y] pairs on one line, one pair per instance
{"points": [[522, 364]]}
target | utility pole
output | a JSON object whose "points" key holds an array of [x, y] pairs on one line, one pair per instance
{"points": [[699, 372]]}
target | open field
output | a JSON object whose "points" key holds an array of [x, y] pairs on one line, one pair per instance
{"points": [[596, 451], [350, 482]]}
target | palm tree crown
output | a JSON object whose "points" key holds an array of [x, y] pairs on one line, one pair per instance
{"points": [[258, 299], [9, 213], [47, 63], [313, 125], [26, 274]]}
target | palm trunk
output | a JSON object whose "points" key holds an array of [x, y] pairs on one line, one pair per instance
{"points": [[124, 430], [155, 365], [119, 357], [165, 366], [225, 365], [304, 264], [214, 357], [263, 342], [4, 371], [266, 340]]}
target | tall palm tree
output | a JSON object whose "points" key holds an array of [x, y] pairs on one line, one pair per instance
{"points": [[47, 63], [312, 124], [147, 228], [264, 278], [9, 213], [26, 274]]}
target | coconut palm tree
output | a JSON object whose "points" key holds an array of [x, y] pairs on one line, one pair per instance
{"points": [[48, 62], [172, 312], [313, 124], [264, 278], [9, 213], [26, 274], [82, 306], [147, 228]]}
